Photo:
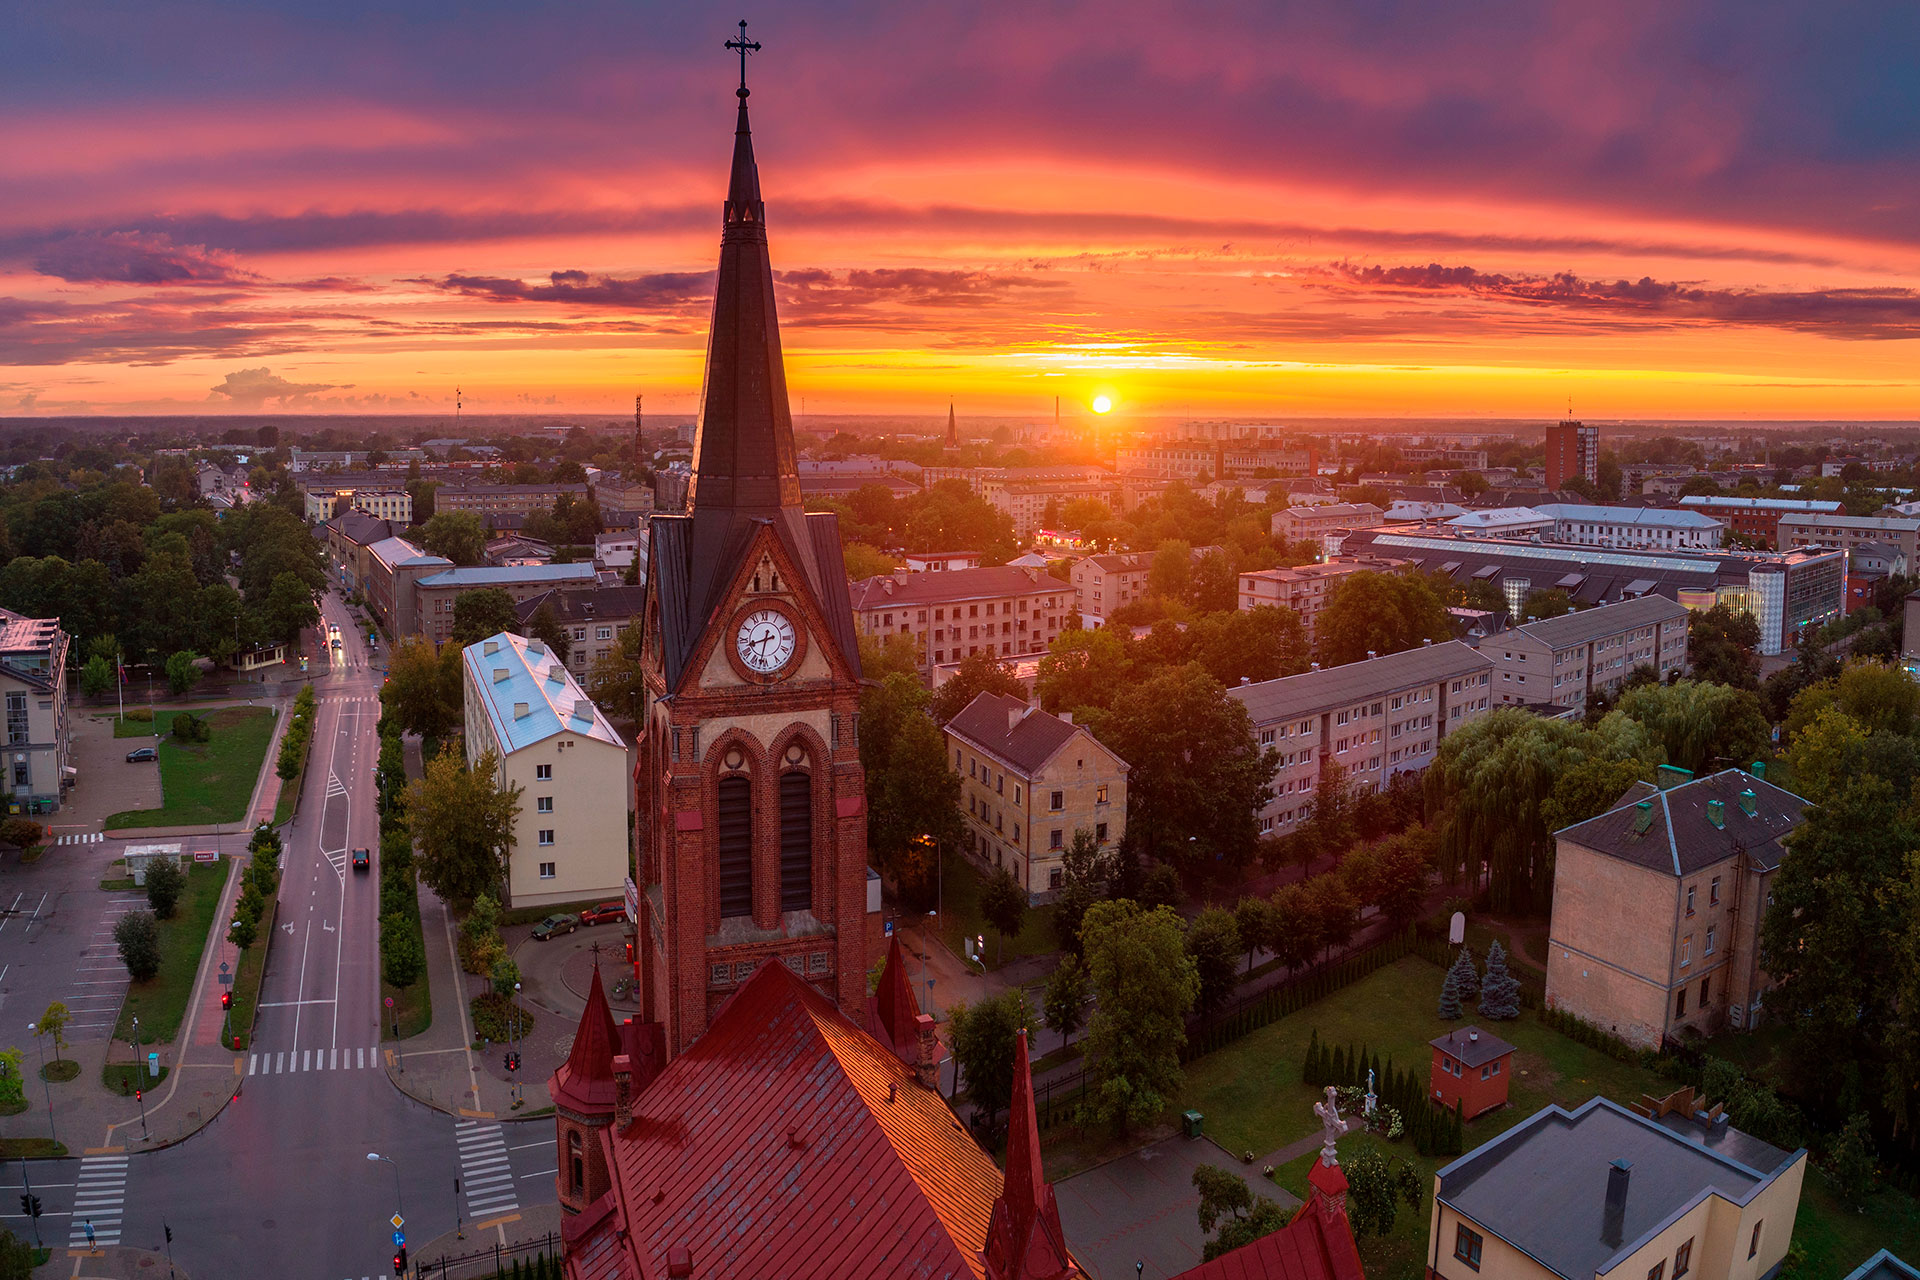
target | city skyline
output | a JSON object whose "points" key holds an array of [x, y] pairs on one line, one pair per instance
{"points": [[1695, 212]]}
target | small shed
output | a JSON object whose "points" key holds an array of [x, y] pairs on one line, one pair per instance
{"points": [[139, 856], [1470, 1069]]}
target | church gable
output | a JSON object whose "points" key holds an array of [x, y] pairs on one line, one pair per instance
{"points": [[767, 628]]}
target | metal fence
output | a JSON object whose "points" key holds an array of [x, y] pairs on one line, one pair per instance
{"points": [[494, 1261]]}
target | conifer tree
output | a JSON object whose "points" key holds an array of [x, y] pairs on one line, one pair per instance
{"points": [[1500, 992], [1469, 984], [1450, 995], [1310, 1066]]}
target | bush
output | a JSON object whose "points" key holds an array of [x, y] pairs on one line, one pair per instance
{"points": [[188, 727], [138, 937], [21, 833], [402, 957], [165, 880], [497, 1018], [298, 736]]}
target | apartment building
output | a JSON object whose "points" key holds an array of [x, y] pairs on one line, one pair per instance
{"points": [[1300, 524], [1025, 502], [1826, 529], [1788, 592], [1667, 1191], [486, 499], [1447, 456], [434, 594], [33, 676], [1573, 449], [940, 561], [1004, 611], [1559, 661], [394, 567], [1503, 522], [1375, 718], [1103, 583], [1028, 781], [1758, 518], [1216, 459], [570, 842], [593, 616], [349, 535], [1658, 528], [1657, 905], [1305, 589]]}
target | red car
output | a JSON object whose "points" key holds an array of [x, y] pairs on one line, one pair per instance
{"points": [[605, 913]]}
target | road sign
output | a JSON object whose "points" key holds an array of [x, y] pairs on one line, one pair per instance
{"points": [[226, 979], [206, 855], [223, 966], [399, 1239], [889, 928], [397, 1221], [389, 1002]]}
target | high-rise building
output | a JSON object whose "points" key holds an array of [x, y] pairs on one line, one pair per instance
{"points": [[1573, 449], [750, 820]]}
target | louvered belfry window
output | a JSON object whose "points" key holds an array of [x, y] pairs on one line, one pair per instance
{"points": [[796, 841], [736, 846]]}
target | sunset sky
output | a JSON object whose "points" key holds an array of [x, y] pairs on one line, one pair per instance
{"points": [[1339, 207]]}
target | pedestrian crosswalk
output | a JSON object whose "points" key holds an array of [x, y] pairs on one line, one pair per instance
{"points": [[350, 698], [486, 1174], [98, 1202], [289, 1061], [81, 837]]}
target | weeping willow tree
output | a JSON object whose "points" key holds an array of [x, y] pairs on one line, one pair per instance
{"points": [[1503, 783]]}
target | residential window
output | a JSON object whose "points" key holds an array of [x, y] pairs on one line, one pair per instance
{"points": [[1709, 949], [543, 804], [1053, 878], [546, 870], [1683, 1260], [1100, 832], [1753, 1245], [603, 633], [1703, 990], [1466, 1246], [1054, 838], [1690, 889], [1057, 801], [1686, 951], [1713, 900], [17, 730], [546, 835], [1100, 794], [1658, 1271], [1680, 1003]]}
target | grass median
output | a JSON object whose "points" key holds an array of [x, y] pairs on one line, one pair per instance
{"points": [[162, 1003], [208, 782], [247, 978]]}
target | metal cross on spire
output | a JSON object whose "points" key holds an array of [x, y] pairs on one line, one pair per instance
{"points": [[745, 47]]}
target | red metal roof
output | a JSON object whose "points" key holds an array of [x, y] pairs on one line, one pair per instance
{"points": [[788, 1142], [892, 1008], [1024, 1239], [584, 1081]]}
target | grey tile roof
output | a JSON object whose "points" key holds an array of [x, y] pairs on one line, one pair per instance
{"points": [[955, 585], [1680, 838], [1472, 1046], [586, 604], [1315, 691], [1542, 1185], [1592, 624], [1026, 744], [1883, 1266]]}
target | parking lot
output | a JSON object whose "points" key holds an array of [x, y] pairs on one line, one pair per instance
{"points": [[107, 783], [56, 940]]}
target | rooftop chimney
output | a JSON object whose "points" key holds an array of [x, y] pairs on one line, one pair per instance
{"points": [[1373, 653], [1672, 775], [927, 1068], [1749, 803], [1717, 813], [1759, 770], [1066, 717], [1613, 1223], [1643, 817], [679, 1263]]}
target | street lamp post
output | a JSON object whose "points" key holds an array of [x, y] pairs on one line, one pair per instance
{"points": [[43, 1082], [400, 1206]]}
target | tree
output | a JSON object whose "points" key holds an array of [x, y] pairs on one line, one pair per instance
{"points": [[1500, 991], [615, 680], [1004, 904], [418, 693], [1086, 870], [1851, 1160], [16, 1255], [183, 671], [1171, 572], [482, 613], [460, 536], [1375, 1189], [983, 1037], [1466, 975], [1144, 985], [894, 654], [912, 790], [1550, 603], [977, 673], [1213, 944], [1878, 696], [1450, 996], [138, 938], [545, 626], [1253, 920], [864, 561], [1381, 612], [1721, 647], [1065, 1002], [1329, 912], [1697, 724], [1242, 1217], [54, 1023], [1251, 644], [1213, 586], [288, 609], [1197, 778], [96, 678], [1083, 669], [21, 833], [164, 884], [462, 821]]}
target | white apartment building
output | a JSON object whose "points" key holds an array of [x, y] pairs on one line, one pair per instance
{"points": [[1561, 660], [1659, 528], [1374, 718], [570, 842]]}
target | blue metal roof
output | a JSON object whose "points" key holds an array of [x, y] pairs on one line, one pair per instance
{"points": [[521, 673], [486, 575]]}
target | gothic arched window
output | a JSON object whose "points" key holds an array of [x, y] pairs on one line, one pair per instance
{"points": [[796, 840], [736, 845]]}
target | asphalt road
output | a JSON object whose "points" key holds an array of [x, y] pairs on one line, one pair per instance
{"points": [[281, 1182]]}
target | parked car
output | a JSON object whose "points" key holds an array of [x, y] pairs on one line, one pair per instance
{"points": [[555, 925], [140, 754], [604, 913], [362, 859]]}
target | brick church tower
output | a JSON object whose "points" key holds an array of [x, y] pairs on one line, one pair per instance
{"points": [[750, 838]]}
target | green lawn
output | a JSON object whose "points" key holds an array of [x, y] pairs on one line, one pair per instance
{"points": [[135, 724], [162, 1002], [210, 782], [961, 918], [289, 797]]}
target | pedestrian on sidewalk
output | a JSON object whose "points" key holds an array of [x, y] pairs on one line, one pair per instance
{"points": [[88, 1225]]}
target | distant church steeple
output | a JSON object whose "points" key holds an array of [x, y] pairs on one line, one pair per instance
{"points": [[953, 429]]}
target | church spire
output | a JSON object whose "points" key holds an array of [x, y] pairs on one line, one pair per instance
{"points": [[744, 466], [1024, 1238], [953, 429]]}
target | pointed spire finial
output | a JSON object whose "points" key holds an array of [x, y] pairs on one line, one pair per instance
{"points": [[745, 47]]}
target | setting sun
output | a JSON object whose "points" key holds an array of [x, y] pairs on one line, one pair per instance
{"points": [[1103, 404]]}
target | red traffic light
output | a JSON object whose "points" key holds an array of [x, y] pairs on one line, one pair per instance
{"points": [[226, 999], [137, 1094]]}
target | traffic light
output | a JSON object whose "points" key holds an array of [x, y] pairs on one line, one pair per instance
{"points": [[400, 1261], [138, 1094], [226, 999], [30, 1205], [506, 1062]]}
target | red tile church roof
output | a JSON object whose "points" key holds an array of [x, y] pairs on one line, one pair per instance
{"points": [[585, 1081], [788, 1142]]}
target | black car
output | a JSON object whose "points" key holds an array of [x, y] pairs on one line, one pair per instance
{"points": [[362, 859], [140, 754]]}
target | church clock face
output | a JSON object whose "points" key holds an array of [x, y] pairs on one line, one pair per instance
{"points": [[765, 641]]}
